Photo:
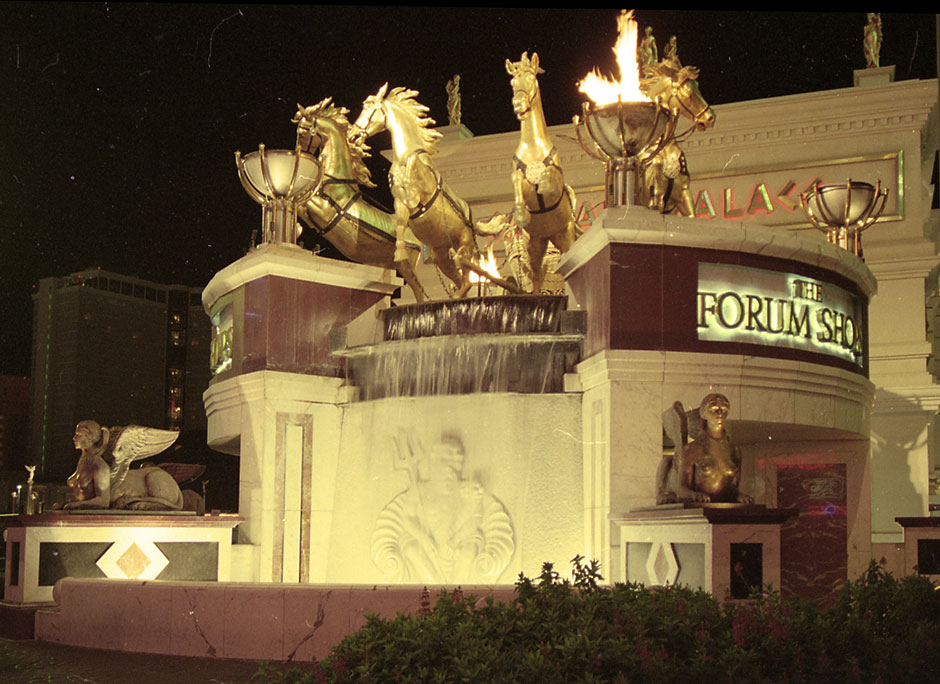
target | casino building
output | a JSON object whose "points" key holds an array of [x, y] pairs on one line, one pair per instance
{"points": [[830, 364]]}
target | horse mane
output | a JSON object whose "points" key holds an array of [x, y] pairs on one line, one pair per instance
{"points": [[358, 149], [671, 69], [405, 98]]}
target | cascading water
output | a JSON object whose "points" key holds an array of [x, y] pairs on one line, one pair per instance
{"points": [[493, 344]]}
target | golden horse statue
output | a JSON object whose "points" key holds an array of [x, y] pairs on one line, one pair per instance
{"points": [[423, 201], [542, 204], [337, 210], [664, 177]]}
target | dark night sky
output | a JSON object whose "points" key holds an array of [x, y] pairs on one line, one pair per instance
{"points": [[119, 122]]}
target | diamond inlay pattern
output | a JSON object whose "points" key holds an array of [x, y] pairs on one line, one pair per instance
{"points": [[133, 562], [132, 559]]}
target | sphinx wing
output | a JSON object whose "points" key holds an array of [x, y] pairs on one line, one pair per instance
{"points": [[134, 443]]}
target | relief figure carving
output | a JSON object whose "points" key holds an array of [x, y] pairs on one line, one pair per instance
{"points": [[444, 528]]}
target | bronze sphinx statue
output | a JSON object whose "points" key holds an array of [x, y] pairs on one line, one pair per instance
{"points": [[707, 469], [103, 478]]}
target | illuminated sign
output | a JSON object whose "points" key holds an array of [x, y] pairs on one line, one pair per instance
{"points": [[772, 196], [220, 349], [754, 306]]}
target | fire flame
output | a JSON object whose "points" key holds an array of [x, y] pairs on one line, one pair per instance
{"points": [[604, 91], [488, 264]]}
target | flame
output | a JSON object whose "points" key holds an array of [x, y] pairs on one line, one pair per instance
{"points": [[488, 264], [604, 91]]}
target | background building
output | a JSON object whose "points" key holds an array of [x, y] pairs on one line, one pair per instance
{"points": [[116, 349]]}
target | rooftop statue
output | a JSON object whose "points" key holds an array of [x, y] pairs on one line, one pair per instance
{"points": [[423, 201], [646, 51], [664, 178], [708, 469], [872, 42], [103, 478], [543, 205], [453, 100], [338, 210]]}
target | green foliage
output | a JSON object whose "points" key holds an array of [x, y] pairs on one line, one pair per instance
{"points": [[560, 630]]}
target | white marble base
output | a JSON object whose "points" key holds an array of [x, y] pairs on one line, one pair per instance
{"points": [[131, 548]]}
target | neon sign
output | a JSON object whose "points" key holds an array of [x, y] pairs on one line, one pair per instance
{"points": [[751, 305]]}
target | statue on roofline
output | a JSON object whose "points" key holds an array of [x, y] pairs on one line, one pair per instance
{"points": [[872, 42], [453, 100]]}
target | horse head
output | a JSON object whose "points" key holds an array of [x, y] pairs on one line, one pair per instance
{"points": [[677, 88], [371, 119], [690, 100], [324, 127], [396, 110], [524, 82], [309, 136]]}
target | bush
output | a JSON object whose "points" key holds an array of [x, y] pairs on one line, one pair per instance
{"points": [[557, 630]]}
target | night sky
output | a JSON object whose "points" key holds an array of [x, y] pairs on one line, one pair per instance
{"points": [[119, 122]]}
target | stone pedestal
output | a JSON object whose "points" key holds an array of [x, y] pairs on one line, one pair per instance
{"points": [[921, 546], [870, 78], [42, 549], [276, 395], [725, 549]]}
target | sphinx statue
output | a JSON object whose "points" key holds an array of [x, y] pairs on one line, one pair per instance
{"points": [[103, 477], [707, 469]]}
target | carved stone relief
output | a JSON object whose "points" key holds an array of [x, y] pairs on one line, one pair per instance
{"points": [[444, 528]]}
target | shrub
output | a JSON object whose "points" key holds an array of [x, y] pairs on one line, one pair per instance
{"points": [[559, 630]]}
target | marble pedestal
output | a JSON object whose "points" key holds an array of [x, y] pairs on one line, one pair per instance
{"points": [[42, 549], [276, 396], [921, 547], [724, 549]]}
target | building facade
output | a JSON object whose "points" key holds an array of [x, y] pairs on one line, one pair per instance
{"points": [[115, 349]]}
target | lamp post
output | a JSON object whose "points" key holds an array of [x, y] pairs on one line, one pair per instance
{"points": [[278, 180], [843, 211], [622, 133]]}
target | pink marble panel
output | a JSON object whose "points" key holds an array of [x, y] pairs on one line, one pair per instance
{"points": [[147, 618], [253, 621], [196, 629], [315, 620]]}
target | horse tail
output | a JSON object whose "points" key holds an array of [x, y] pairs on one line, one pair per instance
{"points": [[493, 226]]}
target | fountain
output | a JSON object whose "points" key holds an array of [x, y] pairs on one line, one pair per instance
{"points": [[465, 441], [515, 343]]}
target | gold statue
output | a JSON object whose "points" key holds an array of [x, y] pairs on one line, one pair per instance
{"points": [[103, 478], [423, 201], [872, 41], [671, 53], [543, 204], [453, 100], [663, 179], [646, 51], [338, 210], [709, 468]]}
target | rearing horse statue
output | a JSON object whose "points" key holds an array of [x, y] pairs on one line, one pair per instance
{"points": [[338, 210], [543, 205], [423, 201], [664, 178]]}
